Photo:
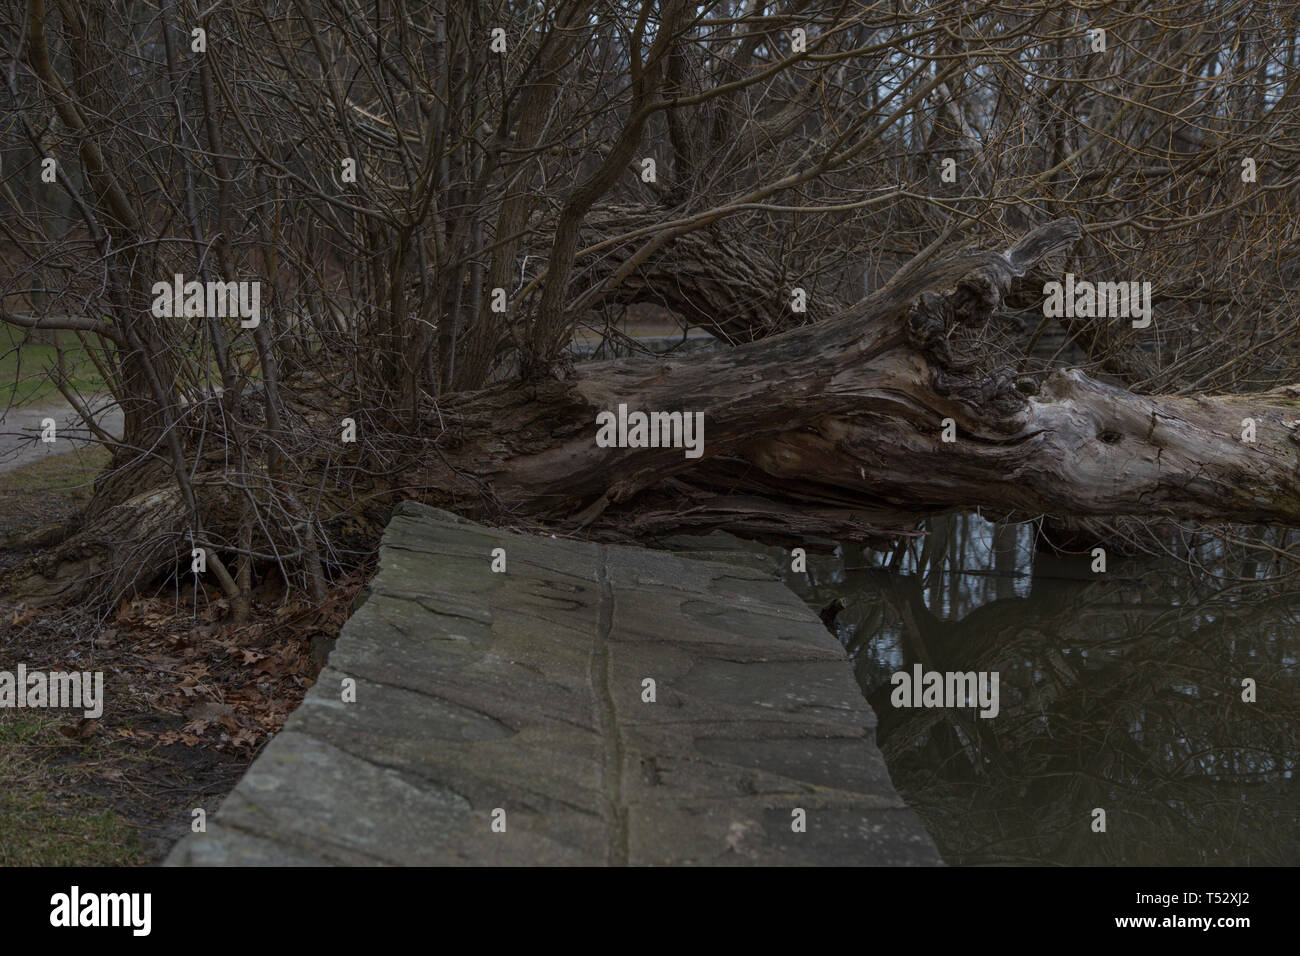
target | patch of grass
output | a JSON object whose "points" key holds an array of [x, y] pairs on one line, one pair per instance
{"points": [[20, 729], [25, 368], [46, 816], [33, 833], [69, 476]]}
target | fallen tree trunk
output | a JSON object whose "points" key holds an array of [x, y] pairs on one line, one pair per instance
{"points": [[838, 428], [835, 429]]}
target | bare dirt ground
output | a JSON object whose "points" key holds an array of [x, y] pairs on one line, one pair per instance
{"points": [[190, 698]]}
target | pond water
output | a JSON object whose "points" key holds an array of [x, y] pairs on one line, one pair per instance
{"points": [[1120, 690]]}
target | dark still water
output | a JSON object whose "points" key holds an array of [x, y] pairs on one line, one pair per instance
{"points": [[1120, 691]]}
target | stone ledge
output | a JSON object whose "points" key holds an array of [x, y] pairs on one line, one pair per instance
{"points": [[523, 691]]}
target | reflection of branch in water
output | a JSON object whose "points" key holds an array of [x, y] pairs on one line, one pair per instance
{"points": [[1113, 695]]}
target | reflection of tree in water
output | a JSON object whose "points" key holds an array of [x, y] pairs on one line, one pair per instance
{"points": [[1120, 691]]}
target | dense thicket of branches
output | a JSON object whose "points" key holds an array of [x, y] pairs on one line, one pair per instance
{"points": [[795, 145]]}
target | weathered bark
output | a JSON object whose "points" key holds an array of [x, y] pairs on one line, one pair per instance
{"points": [[843, 419], [715, 277], [109, 557], [832, 429]]}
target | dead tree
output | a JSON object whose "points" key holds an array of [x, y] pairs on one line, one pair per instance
{"points": [[832, 429]]}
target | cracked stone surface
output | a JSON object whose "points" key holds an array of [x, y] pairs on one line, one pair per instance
{"points": [[522, 692]]}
